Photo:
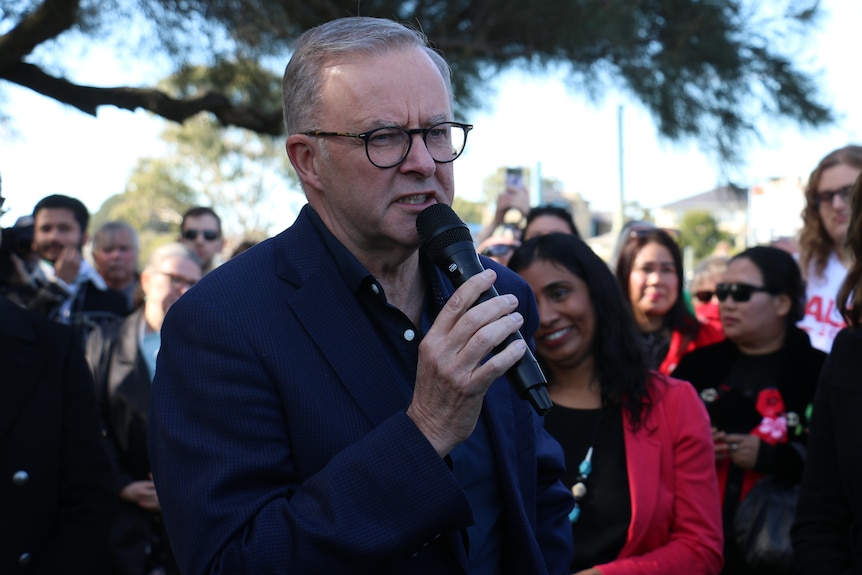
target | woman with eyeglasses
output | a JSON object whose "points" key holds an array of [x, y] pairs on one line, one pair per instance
{"points": [[827, 537], [122, 356], [649, 269], [822, 254], [758, 385], [636, 442]]}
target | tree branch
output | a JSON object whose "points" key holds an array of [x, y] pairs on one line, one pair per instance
{"points": [[50, 20], [89, 98]]}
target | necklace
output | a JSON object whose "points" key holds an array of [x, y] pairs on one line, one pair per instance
{"points": [[579, 489]]}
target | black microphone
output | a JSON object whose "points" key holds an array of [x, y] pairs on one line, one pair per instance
{"points": [[449, 244]]}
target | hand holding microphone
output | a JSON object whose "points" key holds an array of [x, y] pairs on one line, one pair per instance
{"points": [[453, 375], [449, 244]]}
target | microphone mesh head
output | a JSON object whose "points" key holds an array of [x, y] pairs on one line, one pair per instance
{"points": [[439, 227]]}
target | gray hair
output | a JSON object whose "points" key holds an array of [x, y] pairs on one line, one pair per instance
{"points": [[109, 229], [710, 269], [170, 251], [342, 37]]}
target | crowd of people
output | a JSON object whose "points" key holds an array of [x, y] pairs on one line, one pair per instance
{"points": [[329, 401], [81, 336]]}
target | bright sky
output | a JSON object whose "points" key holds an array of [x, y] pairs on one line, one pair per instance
{"points": [[536, 122]]}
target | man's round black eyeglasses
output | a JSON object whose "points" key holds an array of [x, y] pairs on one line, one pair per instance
{"points": [[388, 146]]}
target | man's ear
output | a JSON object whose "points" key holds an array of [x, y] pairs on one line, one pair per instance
{"points": [[304, 154]]}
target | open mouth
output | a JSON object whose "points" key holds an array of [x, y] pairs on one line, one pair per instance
{"points": [[556, 335], [415, 200]]}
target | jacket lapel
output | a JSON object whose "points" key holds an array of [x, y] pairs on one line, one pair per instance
{"points": [[643, 453], [333, 317], [135, 390]]}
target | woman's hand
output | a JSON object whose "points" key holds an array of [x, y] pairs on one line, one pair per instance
{"points": [[743, 449], [590, 571], [719, 440]]}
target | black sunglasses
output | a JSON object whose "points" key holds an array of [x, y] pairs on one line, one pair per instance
{"points": [[497, 250], [704, 296], [739, 291], [209, 235]]}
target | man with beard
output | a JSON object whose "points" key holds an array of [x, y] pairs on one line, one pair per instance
{"points": [[82, 298]]}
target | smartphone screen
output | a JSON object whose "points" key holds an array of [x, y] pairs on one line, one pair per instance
{"points": [[514, 177]]}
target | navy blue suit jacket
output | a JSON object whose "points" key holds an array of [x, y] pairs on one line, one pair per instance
{"points": [[280, 444]]}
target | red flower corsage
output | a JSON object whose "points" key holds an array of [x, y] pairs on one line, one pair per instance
{"points": [[770, 403], [773, 427]]}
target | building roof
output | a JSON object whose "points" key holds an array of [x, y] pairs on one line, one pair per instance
{"points": [[717, 197]]}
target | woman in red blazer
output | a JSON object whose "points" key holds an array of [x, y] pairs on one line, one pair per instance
{"points": [[637, 443], [649, 270]]}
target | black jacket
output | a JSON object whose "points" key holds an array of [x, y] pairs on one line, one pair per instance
{"points": [[56, 497], [827, 535], [708, 367], [123, 384]]}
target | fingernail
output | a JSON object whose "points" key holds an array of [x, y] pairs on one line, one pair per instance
{"points": [[510, 299], [516, 317]]}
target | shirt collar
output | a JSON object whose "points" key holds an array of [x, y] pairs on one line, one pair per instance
{"points": [[352, 271], [85, 273], [355, 275]]}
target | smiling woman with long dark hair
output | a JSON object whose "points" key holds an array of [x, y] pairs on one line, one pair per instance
{"points": [[637, 443]]}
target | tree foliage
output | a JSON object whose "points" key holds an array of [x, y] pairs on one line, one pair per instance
{"points": [[469, 212], [707, 70], [700, 231], [235, 171]]}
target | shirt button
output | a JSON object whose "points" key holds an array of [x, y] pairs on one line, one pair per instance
{"points": [[409, 334], [375, 289], [20, 478]]}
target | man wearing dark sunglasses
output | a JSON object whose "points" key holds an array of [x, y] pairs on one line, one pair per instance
{"points": [[200, 231]]}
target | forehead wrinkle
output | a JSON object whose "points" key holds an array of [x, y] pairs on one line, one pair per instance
{"points": [[395, 105]]}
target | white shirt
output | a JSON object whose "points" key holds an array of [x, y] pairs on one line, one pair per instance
{"points": [[822, 319], [85, 273]]}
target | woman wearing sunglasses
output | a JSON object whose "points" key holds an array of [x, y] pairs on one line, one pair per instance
{"points": [[707, 275], [758, 384], [649, 269], [637, 443], [498, 247]]}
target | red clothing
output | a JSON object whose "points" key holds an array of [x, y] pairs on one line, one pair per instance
{"points": [[680, 345], [676, 516], [709, 313]]}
